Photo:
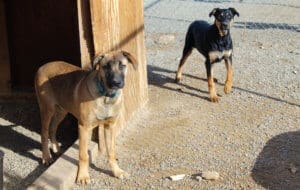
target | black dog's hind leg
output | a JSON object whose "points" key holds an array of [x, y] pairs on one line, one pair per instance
{"points": [[229, 77], [187, 50], [210, 79]]}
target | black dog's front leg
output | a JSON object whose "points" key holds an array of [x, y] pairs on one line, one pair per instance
{"points": [[210, 79]]}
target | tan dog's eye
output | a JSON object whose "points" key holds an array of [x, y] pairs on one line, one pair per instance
{"points": [[105, 67], [122, 66]]}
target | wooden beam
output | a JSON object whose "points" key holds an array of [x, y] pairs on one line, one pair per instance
{"points": [[85, 33], [62, 173], [4, 53], [120, 25], [105, 25]]}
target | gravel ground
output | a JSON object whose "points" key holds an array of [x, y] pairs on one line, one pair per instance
{"points": [[251, 137], [20, 141]]}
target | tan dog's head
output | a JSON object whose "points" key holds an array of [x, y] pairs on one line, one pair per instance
{"points": [[223, 19], [112, 68]]}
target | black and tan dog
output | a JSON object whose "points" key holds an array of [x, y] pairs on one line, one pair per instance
{"points": [[214, 43], [93, 97]]}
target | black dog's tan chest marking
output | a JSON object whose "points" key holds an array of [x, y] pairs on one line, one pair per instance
{"points": [[217, 56]]}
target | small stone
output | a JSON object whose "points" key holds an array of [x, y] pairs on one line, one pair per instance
{"points": [[293, 168], [295, 51], [295, 72], [210, 175], [177, 177], [166, 39], [199, 178], [179, 89]]}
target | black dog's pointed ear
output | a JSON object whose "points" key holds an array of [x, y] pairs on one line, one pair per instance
{"points": [[130, 58], [213, 12], [97, 60], [234, 12]]}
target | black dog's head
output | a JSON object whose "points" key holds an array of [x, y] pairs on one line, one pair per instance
{"points": [[112, 68], [223, 19]]}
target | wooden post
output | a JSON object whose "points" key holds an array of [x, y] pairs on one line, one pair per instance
{"points": [[120, 25], [85, 33], [4, 55]]}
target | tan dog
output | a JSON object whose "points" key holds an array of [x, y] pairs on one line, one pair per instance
{"points": [[93, 97]]}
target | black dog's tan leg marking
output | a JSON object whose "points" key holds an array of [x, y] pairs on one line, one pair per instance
{"points": [[109, 132], [57, 118], [211, 85], [180, 67], [83, 176], [229, 77], [187, 50]]}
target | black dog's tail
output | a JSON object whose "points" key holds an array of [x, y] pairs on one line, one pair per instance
{"points": [[189, 41]]}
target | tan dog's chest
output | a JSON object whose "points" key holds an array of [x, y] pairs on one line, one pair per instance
{"points": [[105, 110]]}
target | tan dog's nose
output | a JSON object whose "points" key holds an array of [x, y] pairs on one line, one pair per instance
{"points": [[117, 82]]}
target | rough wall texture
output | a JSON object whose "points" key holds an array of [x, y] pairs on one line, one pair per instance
{"points": [[4, 57], [120, 25]]}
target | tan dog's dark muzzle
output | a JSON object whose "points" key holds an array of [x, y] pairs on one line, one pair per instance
{"points": [[117, 82]]}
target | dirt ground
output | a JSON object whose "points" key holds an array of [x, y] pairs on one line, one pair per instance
{"points": [[20, 141], [251, 137]]}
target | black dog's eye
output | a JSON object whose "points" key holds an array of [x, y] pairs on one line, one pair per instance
{"points": [[228, 15]]}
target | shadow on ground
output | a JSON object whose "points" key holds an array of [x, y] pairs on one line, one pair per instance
{"points": [[158, 76], [243, 25], [273, 166], [26, 114], [249, 2]]}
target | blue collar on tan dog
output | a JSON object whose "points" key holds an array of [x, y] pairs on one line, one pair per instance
{"points": [[103, 92]]}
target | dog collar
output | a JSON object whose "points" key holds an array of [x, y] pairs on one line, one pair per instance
{"points": [[103, 92]]}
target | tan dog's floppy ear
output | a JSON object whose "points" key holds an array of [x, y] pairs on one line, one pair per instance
{"points": [[234, 12], [130, 58], [97, 60], [213, 12]]}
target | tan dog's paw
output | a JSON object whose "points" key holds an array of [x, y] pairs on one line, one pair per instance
{"points": [[55, 148], [227, 88], [177, 79], [83, 178], [47, 161], [214, 98], [121, 174]]}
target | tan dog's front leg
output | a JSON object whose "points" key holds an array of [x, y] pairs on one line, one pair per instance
{"points": [[110, 147], [101, 144], [83, 176], [46, 116]]}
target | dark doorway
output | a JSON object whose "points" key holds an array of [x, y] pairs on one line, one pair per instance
{"points": [[39, 32]]}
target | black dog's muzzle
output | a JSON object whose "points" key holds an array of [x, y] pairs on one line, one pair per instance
{"points": [[225, 26]]}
